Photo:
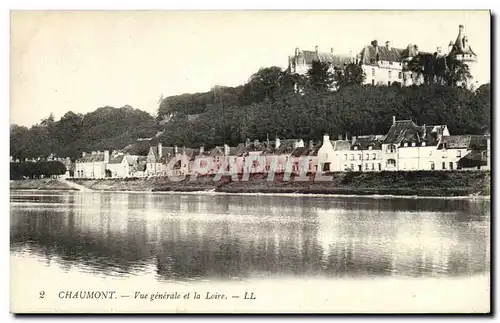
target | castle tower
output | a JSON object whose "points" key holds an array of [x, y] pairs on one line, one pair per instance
{"points": [[461, 48], [462, 51]]}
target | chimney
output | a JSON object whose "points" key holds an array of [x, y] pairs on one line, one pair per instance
{"points": [[226, 150], [374, 43], [160, 150], [353, 140], [176, 150], [393, 119], [106, 156], [425, 132], [83, 154], [331, 50], [277, 143], [339, 137], [460, 30], [247, 142], [93, 152], [388, 44], [297, 51], [326, 138], [311, 144], [439, 50], [316, 49]]}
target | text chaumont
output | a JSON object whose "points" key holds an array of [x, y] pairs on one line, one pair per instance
{"points": [[86, 294]]}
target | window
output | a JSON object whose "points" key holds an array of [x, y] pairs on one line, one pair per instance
{"points": [[352, 166], [359, 167], [390, 74], [355, 148], [373, 72], [413, 144], [374, 156], [367, 156], [389, 83], [373, 166], [444, 165], [379, 166], [423, 143], [400, 75], [359, 156], [430, 153], [391, 162], [459, 153], [433, 166], [366, 166], [451, 165], [345, 157]]}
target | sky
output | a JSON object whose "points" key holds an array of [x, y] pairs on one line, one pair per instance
{"points": [[79, 61]]}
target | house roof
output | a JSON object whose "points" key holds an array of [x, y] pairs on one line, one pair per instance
{"points": [[473, 159], [381, 53], [400, 130], [341, 144], [464, 142], [286, 146], [116, 159], [238, 150], [300, 151], [330, 58], [194, 117], [217, 151], [89, 158], [363, 142]]}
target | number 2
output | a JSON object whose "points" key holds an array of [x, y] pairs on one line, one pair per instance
{"points": [[42, 294]]}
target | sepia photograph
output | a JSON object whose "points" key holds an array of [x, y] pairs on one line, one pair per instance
{"points": [[262, 162]]}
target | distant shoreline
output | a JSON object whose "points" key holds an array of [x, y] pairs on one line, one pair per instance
{"points": [[384, 184]]}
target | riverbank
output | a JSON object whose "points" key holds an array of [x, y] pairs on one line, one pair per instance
{"points": [[428, 183], [40, 184]]}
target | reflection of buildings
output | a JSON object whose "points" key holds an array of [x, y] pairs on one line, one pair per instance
{"points": [[189, 236]]}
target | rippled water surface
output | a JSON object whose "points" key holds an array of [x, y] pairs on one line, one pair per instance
{"points": [[206, 237]]}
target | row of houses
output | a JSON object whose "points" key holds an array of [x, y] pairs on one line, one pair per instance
{"points": [[405, 147]]}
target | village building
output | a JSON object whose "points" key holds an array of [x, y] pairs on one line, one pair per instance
{"points": [[92, 165], [157, 158]]}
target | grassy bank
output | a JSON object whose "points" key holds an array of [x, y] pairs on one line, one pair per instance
{"points": [[424, 183], [39, 184]]}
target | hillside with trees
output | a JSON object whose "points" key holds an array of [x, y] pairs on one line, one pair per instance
{"points": [[104, 128], [272, 103]]}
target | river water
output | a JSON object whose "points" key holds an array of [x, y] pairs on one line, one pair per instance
{"points": [[186, 239]]}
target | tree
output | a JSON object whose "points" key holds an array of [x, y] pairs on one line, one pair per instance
{"points": [[320, 77], [349, 75], [457, 72]]}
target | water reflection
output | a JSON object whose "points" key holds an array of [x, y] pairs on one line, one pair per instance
{"points": [[224, 236]]}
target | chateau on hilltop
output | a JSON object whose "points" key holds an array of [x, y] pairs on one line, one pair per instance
{"points": [[382, 64]]}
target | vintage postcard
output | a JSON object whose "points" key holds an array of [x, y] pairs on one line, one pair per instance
{"points": [[250, 162]]}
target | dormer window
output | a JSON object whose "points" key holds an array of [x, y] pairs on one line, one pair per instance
{"points": [[413, 144], [370, 147], [355, 148], [423, 144], [405, 144]]}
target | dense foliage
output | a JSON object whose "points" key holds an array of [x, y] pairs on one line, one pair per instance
{"points": [[104, 128], [353, 110], [36, 169], [274, 102]]}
